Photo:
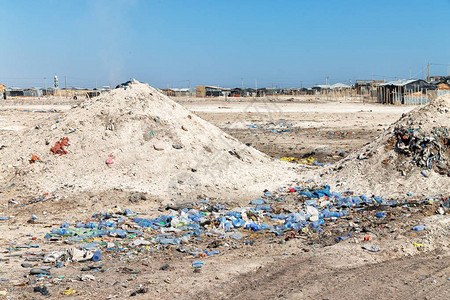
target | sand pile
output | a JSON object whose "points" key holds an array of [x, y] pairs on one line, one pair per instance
{"points": [[137, 139], [412, 156]]}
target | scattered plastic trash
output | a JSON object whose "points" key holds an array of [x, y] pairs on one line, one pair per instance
{"points": [[43, 290], [380, 214], [110, 159], [97, 255], [34, 159], [197, 264], [371, 248], [419, 228], [59, 146], [38, 271]]}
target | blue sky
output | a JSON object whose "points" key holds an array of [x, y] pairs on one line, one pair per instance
{"points": [[168, 42]]}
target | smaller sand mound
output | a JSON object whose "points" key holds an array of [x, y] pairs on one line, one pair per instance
{"points": [[412, 156]]}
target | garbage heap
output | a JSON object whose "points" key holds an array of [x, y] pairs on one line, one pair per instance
{"points": [[205, 228], [427, 150], [411, 156]]}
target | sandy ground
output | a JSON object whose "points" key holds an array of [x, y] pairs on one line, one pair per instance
{"points": [[325, 128], [413, 265]]}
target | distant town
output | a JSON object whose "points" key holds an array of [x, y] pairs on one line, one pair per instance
{"points": [[402, 91]]}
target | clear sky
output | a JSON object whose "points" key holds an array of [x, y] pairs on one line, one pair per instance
{"points": [[168, 42]]}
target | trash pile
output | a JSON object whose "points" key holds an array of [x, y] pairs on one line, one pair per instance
{"points": [[136, 139], [411, 156], [427, 150], [310, 210]]}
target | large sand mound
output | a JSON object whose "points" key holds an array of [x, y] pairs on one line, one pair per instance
{"points": [[158, 146], [412, 156]]}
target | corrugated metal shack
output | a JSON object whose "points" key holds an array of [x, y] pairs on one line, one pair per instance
{"points": [[404, 91], [209, 91]]}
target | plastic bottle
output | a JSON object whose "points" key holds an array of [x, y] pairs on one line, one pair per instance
{"points": [[265, 207], [380, 214], [234, 214], [210, 253], [97, 255], [297, 226], [419, 228], [100, 233], [91, 225], [192, 226], [253, 226], [61, 231], [118, 232], [237, 223], [227, 226], [258, 201], [330, 214], [317, 223], [168, 240], [265, 226], [79, 225]]}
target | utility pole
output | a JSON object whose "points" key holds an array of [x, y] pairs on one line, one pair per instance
{"points": [[45, 84], [428, 72], [65, 82], [256, 88], [242, 83]]}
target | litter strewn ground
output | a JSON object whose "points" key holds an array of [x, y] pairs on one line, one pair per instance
{"points": [[88, 225]]}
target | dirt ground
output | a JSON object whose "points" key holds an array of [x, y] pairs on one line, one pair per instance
{"points": [[323, 130], [301, 265]]}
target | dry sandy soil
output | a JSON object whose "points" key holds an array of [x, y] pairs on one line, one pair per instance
{"points": [[413, 265]]}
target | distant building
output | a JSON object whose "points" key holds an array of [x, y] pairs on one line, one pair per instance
{"points": [[174, 92], [440, 79], [404, 91], [367, 87], [15, 92], [210, 91]]}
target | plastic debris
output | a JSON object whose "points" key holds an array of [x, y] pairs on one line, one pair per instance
{"points": [[419, 228], [371, 248]]}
